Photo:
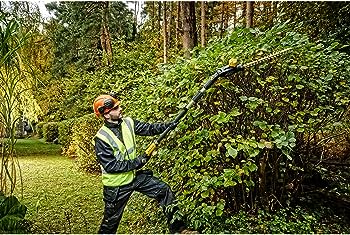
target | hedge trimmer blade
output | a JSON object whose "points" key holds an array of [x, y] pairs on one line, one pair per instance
{"points": [[266, 58]]}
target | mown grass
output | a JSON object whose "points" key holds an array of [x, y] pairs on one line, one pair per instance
{"points": [[59, 197], [29, 147]]}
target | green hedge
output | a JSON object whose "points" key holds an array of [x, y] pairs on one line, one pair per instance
{"points": [[50, 131], [39, 129], [80, 145], [65, 131]]}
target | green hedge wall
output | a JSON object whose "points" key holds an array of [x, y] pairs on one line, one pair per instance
{"points": [[39, 129], [50, 131], [65, 131], [82, 131]]}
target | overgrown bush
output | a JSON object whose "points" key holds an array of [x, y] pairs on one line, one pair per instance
{"points": [[248, 143], [80, 146], [39, 129], [65, 130], [50, 131]]}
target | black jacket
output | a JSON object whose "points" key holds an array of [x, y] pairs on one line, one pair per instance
{"points": [[104, 152]]}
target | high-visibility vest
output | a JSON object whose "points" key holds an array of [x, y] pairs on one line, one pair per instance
{"points": [[122, 152]]}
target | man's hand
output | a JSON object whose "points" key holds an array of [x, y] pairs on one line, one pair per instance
{"points": [[143, 160]]}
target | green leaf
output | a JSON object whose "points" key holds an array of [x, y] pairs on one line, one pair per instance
{"points": [[231, 151], [205, 194]]}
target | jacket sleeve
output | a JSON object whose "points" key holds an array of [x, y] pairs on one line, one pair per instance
{"points": [[142, 128], [109, 162]]}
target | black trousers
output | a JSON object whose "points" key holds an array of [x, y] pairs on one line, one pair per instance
{"points": [[116, 198]]}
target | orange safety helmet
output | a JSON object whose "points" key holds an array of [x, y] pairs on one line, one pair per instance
{"points": [[104, 103]]}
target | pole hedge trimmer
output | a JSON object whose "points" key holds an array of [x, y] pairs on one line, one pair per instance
{"points": [[225, 71]]}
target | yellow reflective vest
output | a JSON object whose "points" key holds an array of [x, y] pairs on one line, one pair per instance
{"points": [[122, 152]]}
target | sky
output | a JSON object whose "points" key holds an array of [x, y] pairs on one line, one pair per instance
{"points": [[42, 8], [46, 14]]}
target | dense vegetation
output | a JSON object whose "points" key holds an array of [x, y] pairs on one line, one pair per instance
{"points": [[256, 154]]}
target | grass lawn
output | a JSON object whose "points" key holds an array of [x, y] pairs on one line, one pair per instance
{"points": [[59, 197]]}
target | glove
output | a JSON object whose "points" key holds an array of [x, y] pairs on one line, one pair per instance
{"points": [[143, 160]]}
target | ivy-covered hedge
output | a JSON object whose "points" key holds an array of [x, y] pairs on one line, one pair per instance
{"points": [[50, 131]]}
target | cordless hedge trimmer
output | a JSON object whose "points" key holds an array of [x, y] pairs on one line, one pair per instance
{"points": [[225, 71]]}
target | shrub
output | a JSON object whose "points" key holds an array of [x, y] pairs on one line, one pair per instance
{"points": [[247, 144], [39, 129], [50, 131], [65, 130], [12, 214], [80, 146]]}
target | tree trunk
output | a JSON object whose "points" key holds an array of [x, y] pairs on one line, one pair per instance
{"points": [[274, 11], [203, 24], [177, 23], [226, 17], [159, 15], [235, 15], [153, 15], [222, 20], [170, 22], [134, 27], [165, 35], [244, 12], [189, 27], [106, 42], [250, 14]]}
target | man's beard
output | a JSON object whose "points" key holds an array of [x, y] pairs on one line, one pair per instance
{"points": [[116, 118]]}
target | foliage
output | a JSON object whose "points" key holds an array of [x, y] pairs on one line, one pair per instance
{"points": [[150, 223], [74, 96], [283, 221], [76, 33], [14, 83], [321, 20], [83, 130], [247, 144], [65, 130], [12, 214], [50, 131], [39, 129]]}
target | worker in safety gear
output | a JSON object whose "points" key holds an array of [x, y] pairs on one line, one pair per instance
{"points": [[121, 175]]}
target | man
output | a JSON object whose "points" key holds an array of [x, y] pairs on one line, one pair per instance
{"points": [[116, 152]]}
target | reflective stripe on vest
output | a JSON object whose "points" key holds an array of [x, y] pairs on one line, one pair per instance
{"points": [[126, 151]]}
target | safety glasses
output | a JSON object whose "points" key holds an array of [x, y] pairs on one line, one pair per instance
{"points": [[108, 105]]}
